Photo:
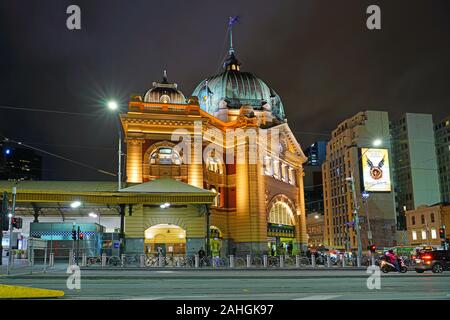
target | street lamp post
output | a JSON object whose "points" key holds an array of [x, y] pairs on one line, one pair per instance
{"points": [[113, 106], [351, 179], [365, 198], [356, 216]]}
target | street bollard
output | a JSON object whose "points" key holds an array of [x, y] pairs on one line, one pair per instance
{"points": [[249, 261], [52, 260], [281, 261], [122, 260], [160, 261], [372, 258], [142, 260], [343, 261], [328, 261], [83, 260], [265, 261], [177, 262], [313, 260], [103, 259], [297, 261], [197, 260], [231, 261], [358, 262]]}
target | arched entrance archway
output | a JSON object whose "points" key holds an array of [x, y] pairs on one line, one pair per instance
{"points": [[280, 226], [167, 239]]}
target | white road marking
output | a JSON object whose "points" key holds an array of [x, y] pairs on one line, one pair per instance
{"points": [[319, 297], [144, 298]]}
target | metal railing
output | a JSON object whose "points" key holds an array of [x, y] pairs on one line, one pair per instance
{"points": [[240, 262]]}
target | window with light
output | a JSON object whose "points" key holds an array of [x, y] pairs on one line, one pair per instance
{"points": [[281, 213], [165, 156]]}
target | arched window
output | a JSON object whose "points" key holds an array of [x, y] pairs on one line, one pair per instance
{"points": [[281, 213], [217, 198], [165, 155], [214, 165], [164, 98]]}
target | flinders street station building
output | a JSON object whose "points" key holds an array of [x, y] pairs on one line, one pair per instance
{"points": [[218, 170]]}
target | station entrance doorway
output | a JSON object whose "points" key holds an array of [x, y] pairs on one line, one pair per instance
{"points": [[165, 239]]}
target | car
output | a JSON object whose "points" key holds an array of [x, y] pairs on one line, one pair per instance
{"points": [[437, 261]]}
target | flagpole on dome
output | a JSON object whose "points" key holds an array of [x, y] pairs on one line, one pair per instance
{"points": [[207, 96], [232, 20]]}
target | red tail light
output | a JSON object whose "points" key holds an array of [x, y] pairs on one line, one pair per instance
{"points": [[413, 257], [426, 257]]}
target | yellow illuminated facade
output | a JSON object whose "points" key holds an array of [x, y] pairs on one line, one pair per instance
{"points": [[259, 203]]}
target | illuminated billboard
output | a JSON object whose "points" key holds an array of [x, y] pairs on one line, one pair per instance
{"points": [[375, 170]]}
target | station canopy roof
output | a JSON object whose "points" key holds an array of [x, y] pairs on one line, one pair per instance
{"points": [[104, 194]]}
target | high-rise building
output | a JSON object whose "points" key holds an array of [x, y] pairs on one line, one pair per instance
{"points": [[359, 148], [442, 136], [414, 163], [19, 163], [316, 153]]}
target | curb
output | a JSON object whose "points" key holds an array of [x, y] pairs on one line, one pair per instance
{"points": [[19, 292]]}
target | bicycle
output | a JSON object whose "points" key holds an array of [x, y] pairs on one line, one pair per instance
{"points": [[93, 261], [151, 262], [114, 261]]}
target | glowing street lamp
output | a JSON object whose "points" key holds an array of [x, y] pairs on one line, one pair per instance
{"points": [[377, 142], [114, 106]]}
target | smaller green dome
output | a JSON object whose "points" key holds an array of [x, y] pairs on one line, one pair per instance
{"points": [[164, 92]]}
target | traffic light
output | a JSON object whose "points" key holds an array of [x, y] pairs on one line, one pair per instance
{"points": [[372, 248], [16, 222], [74, 235], [442, 233], [80, 235]]}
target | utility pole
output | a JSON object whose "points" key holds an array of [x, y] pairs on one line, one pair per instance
{"points": [[13, 209], [3, 220], [356, 216]]}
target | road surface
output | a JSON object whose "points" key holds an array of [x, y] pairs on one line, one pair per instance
{"points": [[239, 284]]}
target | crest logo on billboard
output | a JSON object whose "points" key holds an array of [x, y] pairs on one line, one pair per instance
{"points": [[375, 171]]}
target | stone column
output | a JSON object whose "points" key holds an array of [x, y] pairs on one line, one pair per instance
{"points": [[134, 160], [300, 228]]}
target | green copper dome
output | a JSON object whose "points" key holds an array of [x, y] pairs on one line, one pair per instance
{"points": [[237, 89]]}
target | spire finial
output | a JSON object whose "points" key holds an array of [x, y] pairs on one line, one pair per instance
{"points": [[165, 76]]}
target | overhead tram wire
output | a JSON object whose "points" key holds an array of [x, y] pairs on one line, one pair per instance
{"points": [[47, 111], [6, 139]]}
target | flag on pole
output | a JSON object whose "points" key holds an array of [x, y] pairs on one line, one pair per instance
{"points": [[233, 20]]}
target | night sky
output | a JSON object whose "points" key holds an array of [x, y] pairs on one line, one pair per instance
{"points": [[318, 55]]}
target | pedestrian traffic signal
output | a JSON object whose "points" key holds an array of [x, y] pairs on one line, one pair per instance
{"points": [[16, 223], [74, 235], [372, 248], [442, 233]]}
